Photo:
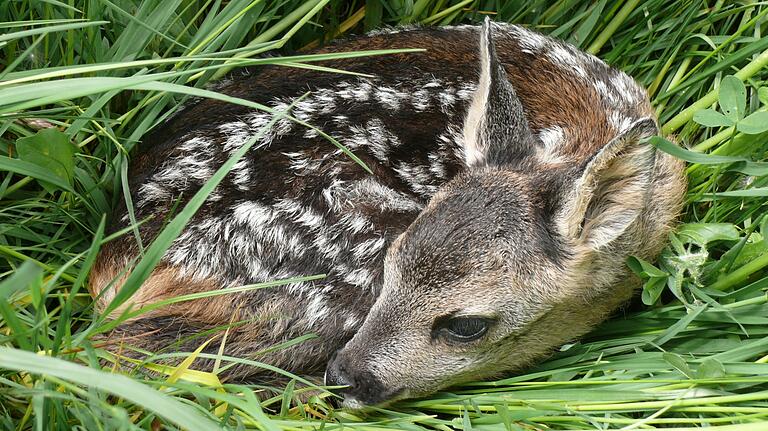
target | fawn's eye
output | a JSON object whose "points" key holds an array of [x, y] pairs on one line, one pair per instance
{"points": [[465, 328]]}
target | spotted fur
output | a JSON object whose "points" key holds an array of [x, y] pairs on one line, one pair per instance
{"points": [[526, 137]]}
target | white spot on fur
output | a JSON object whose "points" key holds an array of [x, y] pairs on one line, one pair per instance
{"points": [[252, 213], [375, 136], [360, 92], [355, 223], [351, 323], [552, 139], [241, 174], [311, 133], [627, 88], [326, 100], [368, 248], [563, 57], [447, 99], [436, 166], [360, 277], [193, 166], [153, 192], [620, 122], [283, 125], [300, 214], [331, 194], [417, 177], [316, 310], [304, 110], [605, 92], [420, 100], [390, 97], [466, 91], [529, 41], [237, 134], [198, 252]]}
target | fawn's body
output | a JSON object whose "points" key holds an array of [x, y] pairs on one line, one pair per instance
{"points": [[296, 206]]}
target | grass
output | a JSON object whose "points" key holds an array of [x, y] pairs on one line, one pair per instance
{"points": [[691, 352]]}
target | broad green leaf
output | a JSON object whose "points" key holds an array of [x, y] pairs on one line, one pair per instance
{"points": [[762, 94], [712, 118], [652, 290], [755, 123], [656, 279], [704, 233], [710, 368], [644, 268], [680, 325], [679, 363], [733, 97], [32, 170], [580, 35], [374, 11], [19, 279], [751, 250], [23, 278], [51, 150], [764, 229]]}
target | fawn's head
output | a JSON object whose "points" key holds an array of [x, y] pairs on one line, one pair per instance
{"points": [[512, 258]]}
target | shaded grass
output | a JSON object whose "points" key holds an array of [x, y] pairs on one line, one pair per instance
{"points": [[105, 72]]}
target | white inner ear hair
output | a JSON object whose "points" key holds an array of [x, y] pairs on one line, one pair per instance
{"points": [[473, 124]]}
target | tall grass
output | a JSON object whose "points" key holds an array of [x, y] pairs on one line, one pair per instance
{"points": [[82, 81]]}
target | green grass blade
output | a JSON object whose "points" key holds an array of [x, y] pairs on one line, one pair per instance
{"points": [[124, 387]]}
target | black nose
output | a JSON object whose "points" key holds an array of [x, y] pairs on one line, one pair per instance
{"points": [[335, 374], [361, 386]]}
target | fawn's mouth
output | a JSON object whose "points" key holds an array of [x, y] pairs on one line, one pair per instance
{"points": [[353, 402]]}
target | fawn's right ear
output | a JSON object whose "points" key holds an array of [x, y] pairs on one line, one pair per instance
{"points": [[612, 188], [495, 129]]}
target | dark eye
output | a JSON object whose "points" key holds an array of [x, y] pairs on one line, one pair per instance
{"points": [[464, 329]]}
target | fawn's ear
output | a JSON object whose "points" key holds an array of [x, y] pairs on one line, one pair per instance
{"points": [[495, 129], [612, 188]]}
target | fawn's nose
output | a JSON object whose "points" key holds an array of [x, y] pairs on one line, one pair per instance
{"points": [[335, 374], [362, 387]]}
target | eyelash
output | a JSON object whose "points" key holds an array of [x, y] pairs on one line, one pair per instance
{"points": [[454, 328]]}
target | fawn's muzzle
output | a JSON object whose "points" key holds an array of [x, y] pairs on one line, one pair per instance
{"points": [[362, 387]]}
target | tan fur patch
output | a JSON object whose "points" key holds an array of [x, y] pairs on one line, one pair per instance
{"points": [[165, 282]]}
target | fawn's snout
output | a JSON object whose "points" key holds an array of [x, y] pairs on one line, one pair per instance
{"points": [[362, 387]]}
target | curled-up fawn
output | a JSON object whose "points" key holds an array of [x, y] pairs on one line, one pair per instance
{"points": [[511, 180]]}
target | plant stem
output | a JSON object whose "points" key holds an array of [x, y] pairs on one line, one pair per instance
{"points": [[742, 273], [612, 26]]}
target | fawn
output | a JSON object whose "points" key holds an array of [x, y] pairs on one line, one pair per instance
{"points": [[511, 180]]}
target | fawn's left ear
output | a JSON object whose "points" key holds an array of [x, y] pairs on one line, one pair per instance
{"points": [[612, 188], [495, 129]]}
